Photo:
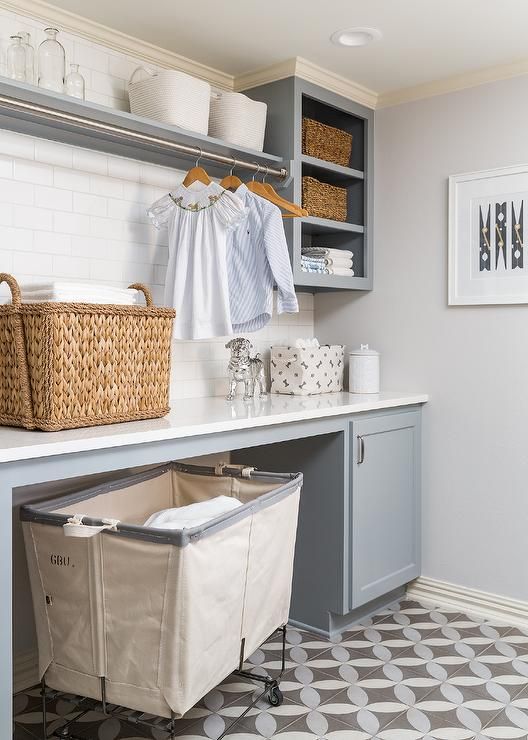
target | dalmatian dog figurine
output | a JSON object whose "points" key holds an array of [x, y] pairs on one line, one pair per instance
{"points": [[245, 369]]}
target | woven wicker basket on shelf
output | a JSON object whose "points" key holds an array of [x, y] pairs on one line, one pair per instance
{"points": [[323, 200], [326, 142], [67, 365]]}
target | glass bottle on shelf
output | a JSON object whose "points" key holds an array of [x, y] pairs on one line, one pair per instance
{"points": [[74, 83], [51, 62], [30, 56], [16, 59]]}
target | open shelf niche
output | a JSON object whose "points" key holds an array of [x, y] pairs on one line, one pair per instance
{"points": [[290, 100]]}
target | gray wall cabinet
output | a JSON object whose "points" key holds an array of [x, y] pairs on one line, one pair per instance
{"points": [[288, 101], [358, 540]]}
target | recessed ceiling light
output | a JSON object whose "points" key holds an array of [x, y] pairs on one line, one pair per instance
{"points": [[355, 36]]}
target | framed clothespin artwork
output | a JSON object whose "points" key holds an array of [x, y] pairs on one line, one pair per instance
{"points": [[487, 260]]}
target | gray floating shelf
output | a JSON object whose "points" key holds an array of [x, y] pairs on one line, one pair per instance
{"points": [[343, 173], [20, 117], [313, 225]]}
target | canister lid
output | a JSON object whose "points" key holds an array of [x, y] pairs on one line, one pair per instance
{"points": [[363, 350]]}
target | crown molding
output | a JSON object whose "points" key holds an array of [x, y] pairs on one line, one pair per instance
{"points": [[311, 73], [265, 75], [336, 83], [453, 84], [122, 42]]}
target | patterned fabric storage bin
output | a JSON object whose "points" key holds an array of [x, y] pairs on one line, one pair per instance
{"points": [[306, 372]]}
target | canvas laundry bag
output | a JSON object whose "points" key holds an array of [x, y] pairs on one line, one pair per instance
{"points": [[163, 615]]}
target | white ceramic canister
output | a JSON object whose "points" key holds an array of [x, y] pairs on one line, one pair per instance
{"points": [[364, 370]]}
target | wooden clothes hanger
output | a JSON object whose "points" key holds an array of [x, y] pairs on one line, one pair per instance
{"points": [[196, 174], [231, 181], [267, 191]]}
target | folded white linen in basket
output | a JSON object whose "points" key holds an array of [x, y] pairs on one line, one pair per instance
{"points": [[192, 515], [66, 292]]}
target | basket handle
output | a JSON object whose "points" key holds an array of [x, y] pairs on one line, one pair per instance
{"points": [[150, 72], [20, 351], [146, 292], [16, 297]]}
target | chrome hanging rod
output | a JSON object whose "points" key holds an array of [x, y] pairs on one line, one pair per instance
{"points": [[123, 133]]}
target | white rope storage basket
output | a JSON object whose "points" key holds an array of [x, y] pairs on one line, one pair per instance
{"points": [[237, 119], [171, 97]]}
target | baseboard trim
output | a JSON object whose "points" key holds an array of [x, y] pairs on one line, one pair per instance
{"points": [[25, 670], [480, 603]]}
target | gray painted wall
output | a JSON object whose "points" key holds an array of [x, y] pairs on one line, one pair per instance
{"points": [[472, 360]]}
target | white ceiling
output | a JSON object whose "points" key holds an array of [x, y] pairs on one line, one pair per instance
{"points": [[423, 40]]}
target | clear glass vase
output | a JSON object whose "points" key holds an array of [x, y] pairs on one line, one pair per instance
{"points": [[51, 62], [74, 83], [30, 56], [16, 59]]}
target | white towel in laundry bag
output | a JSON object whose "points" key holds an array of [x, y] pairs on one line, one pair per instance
{"points": [[185, 517]]}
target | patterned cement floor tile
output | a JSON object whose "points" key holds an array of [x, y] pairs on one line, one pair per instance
{"points": [[440, 658], [266, 721], [411, 672], [310, 687], [512, 722], [302, 648], [345, 665], [417, 725]]}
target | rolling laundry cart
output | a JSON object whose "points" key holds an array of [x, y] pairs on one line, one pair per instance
{"points": [[152, 619]]}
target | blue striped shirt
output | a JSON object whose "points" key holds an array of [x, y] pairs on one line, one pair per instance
{"points": [[257, 258]]}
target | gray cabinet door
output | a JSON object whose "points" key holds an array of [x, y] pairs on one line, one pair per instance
{"points": [[385, 512]]}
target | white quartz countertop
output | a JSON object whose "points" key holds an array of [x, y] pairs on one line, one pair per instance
{"points": [[194, 417]]}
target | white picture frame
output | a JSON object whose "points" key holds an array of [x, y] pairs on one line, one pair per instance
{"points": [[488, 237]]}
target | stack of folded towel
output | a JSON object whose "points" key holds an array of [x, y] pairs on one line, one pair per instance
{"points": [[64, 292], [327, 261]]}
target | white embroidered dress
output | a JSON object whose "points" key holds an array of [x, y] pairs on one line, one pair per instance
{"points": [[198, 219]]}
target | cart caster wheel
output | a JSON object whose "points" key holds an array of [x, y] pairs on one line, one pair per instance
{"points": [[275, 696]]}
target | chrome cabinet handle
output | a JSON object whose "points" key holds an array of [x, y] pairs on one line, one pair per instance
{"points": [[361, 449]]}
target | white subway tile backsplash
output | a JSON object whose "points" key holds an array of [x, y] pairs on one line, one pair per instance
{"points": [[6, 166], [90, 56], [109, 186], [51, 243], [134, 272], [91, 205], [71, 267], [6, 214], [17, 145], [122, 66], [54, 198], [34, 172], [29, 263], [107, 84], [124, 169], [89, 161], [107, 228], [16, 239], [12, 191], [30, 217], [106, 270], [71, 223], [51, 152], [78, 182], [76, 214]]}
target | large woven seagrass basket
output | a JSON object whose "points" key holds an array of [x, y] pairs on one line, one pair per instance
{"points": [[67, 365]]}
